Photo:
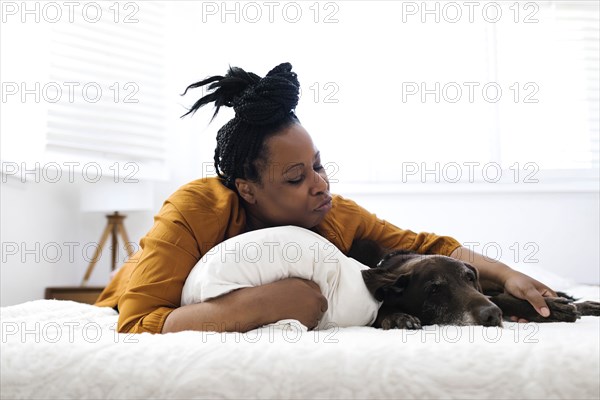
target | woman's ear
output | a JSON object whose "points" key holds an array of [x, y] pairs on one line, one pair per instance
{"points": [[245, 190]]}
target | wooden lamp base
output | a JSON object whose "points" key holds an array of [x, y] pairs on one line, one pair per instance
{"points": [[114, 227]]}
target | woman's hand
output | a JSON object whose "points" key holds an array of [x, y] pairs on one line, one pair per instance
{"points": [[494, 274], [527, 288], [294, 298]]}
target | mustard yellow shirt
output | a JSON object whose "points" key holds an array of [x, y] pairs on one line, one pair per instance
{"points": [[203, 213]]}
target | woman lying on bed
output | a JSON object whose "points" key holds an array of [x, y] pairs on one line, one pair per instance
{"points": [[269, 174]]}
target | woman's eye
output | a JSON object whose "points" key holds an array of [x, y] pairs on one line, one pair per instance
{"points": [[318, 167], [296, 181]]}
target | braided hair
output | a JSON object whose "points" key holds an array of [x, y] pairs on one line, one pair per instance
{"points": [[263, 106]]}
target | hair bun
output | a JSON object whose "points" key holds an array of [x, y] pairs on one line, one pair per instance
{"points": [[270, 99]]}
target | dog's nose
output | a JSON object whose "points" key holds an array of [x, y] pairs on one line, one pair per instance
{"points": [[490, 316]]}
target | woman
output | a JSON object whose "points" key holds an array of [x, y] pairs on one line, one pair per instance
{"points": [[269, 174]]}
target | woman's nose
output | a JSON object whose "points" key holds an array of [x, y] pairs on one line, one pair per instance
{"points": [[320, 183]]}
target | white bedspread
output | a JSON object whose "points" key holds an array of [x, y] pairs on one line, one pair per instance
{"points": [[60, 349]]}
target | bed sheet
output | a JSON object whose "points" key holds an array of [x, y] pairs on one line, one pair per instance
{"points": [[55, 349]]}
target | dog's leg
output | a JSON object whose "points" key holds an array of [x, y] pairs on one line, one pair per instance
{"points": [[584, 307], [588, 308], [561, 309]]}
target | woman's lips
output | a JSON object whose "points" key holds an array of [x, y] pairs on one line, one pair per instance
{"points": [[324, 206]]}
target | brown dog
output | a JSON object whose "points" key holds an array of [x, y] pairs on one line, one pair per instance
{"points": [[421, 290]]}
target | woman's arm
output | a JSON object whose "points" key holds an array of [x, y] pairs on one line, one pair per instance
{"points": [[496, 275], [249, 308], [358, 223]]}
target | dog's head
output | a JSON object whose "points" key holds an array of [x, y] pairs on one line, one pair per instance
{"points": [[436, 289]]}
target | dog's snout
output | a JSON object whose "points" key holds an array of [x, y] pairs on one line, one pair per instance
{"points": [[490, 316]]}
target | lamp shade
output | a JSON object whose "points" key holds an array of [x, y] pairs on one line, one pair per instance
{"points": [[108, 196]]}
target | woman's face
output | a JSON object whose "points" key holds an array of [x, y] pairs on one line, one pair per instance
{"points": [[294, 188]]}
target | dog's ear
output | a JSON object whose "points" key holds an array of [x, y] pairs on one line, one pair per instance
{"points": [[395, 290], [383, 284], [367, 252], [477, 283]]}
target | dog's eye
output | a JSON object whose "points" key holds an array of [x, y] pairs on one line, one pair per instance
{"points": [[471, 277], [434, 288]]}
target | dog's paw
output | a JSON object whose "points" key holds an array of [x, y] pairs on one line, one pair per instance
{"points": [[561, 310], [588, 308], [400, 321]]}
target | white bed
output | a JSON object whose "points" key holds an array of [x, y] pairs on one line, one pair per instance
{"points": [[61, 349]]}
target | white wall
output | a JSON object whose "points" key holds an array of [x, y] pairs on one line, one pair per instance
{"points": [[564, 225], [558, 232], [44, 236]]}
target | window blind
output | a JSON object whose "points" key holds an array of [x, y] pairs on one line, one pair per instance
{"points": [[354, 69], [110, 77], [543, 56], [559, 57]]}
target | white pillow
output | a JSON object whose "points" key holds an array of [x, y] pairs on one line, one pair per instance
{"points": [[268, 255]]}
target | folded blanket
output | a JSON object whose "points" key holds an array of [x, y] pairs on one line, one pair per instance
{"points": [[268, 255]]}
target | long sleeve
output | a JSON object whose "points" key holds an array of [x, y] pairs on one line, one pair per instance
{"points": [[169, 252], [348, 221], [193, 220]]}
